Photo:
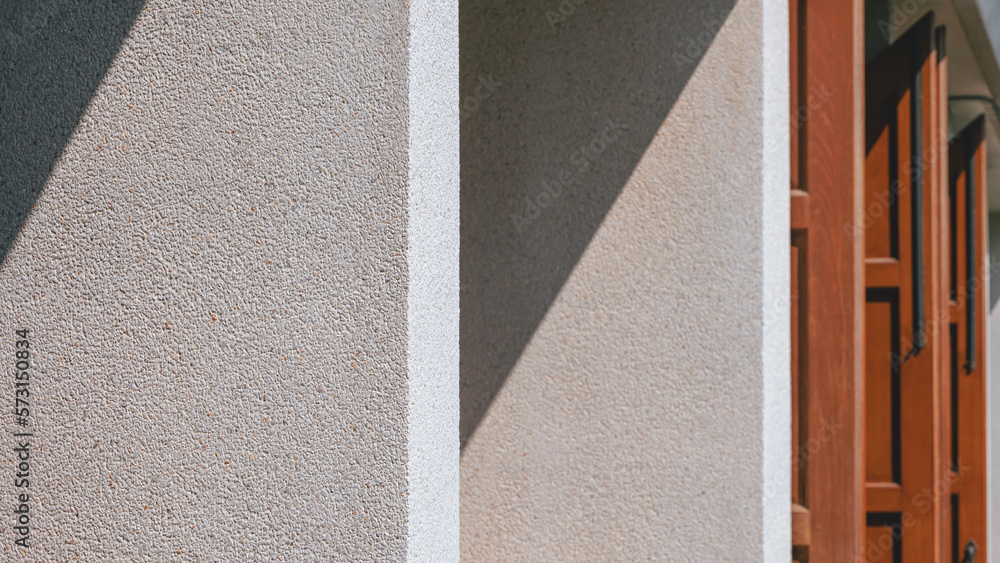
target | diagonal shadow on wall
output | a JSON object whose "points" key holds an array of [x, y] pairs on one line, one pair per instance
{"points": [[53, 55], [552, 89]]}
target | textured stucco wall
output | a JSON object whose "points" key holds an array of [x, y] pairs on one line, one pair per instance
{"points": [[624, 281], [992, 386], [205, 217]]}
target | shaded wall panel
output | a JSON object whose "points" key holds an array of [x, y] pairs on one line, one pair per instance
{"points": [[613, 298]]}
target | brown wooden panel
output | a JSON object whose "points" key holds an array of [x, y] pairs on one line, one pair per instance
{"points": [[801, 529], [794, 76], [882, 386], [882, 272], [882, 497], [967, 175], [906, 297], [881, 212], [829, 50], [883, 537], [800, 210], [797, 459], [937, 326], [944, 283]]}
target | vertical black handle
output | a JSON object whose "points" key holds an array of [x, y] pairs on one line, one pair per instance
{"points": [[917, 200], [969, 555], [971, 283]]}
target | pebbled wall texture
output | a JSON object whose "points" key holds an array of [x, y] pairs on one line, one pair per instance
{"points": [[624, 371], [215, 219], [992, 387]]}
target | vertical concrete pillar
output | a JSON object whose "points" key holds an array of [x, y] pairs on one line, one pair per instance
{"points": [[231, 232]]}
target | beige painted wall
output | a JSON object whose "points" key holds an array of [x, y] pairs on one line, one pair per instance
{"points": [[217, 221], [615, 362]]}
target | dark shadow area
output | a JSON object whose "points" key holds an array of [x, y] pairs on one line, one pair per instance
{"points": [[878, 28], [54, 54], [560, 102]]}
